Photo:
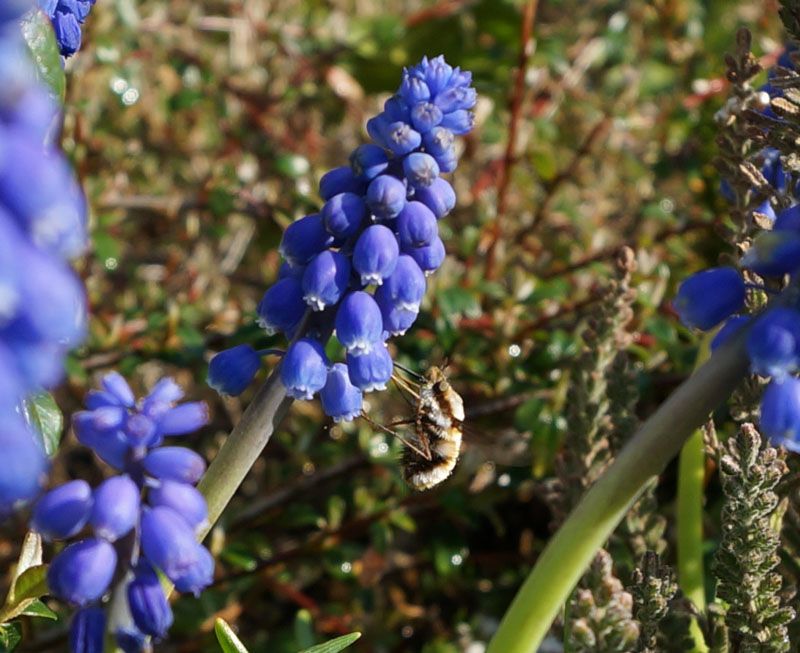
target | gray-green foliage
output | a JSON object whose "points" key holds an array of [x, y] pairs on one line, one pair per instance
{"points": [[749, 585], [653, 588]]}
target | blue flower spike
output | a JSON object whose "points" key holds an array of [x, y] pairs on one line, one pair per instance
{"points": [[707, 298], [361, 263]]}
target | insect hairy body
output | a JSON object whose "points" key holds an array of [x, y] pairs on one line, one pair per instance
{"points": [[438, 430]]}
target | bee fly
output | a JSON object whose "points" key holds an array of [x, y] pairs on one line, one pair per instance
{"points": [[431, 455]]}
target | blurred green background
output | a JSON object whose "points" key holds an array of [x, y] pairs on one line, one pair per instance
{"points": [[201, 129]]}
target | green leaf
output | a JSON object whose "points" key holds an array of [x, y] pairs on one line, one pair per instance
{"points": [[38, 33], [228, 641], [45, 417], [38, 609], [334, 645], [28, 587], [10, 637]]}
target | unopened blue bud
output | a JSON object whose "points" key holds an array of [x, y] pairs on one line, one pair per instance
{"points": [[459, 122], [416, 226], [183, 419], [788, 219], [63, 511], [82, 572], [304, 239], [358, 323], [140, 430], [440, 144], [386, 196], [405, 288], [377, 128], [765, 209], [164, 393], [370, 371], [343, 214], [414, 90], [396, 319], [175, 464], [230, 372], [395, 109], [780, 413], [326, 279], [116, 508], [169, 544], [288, 270], [430, 257], [148, 604], [341, 400], [457, 98], [108, 442], [22, 474], [425, 116], [340, 180], [199, 574], [375, 254], [282, 307], [773, 253], [116, 385], [708, 297], [130, 640], [439, 197], [304, 369], [87, 631], [184, 499], [401, 138], [436, 73], [773, 343], [79, 8], [368, 161], [68, 32], [420, 169]]}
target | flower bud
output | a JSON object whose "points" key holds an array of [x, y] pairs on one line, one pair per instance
{"points": [[773, 343], [425, 116], [175, 464], [63, 511], [396, 320], [288, 270], [23, 472], [413, 90], [148, 604], [87, 631], [370, 371], [304, 239], [184, 499], [107, 440], [788, 219], [140, 430], [386, 196], [168, 543], [230, 372], [773, 253], [430, 257], [401, 139], [708, 297], [416, 226], [358, 323], [405, 287], [436, 72], [341, 400], [116, 508], [182, 419], [395, 109], [368, 161], [375, 254], [304, 369], [340, 180], [282, 307], [197, 575], [459, 122], [456, 98], [780, 413], [439, 197], [326, 279], [420, 169], [164, 393], [116, 386], [343, 214], [130, 640], [440, 144], [68, 32], [376, 128], [82, 572]]}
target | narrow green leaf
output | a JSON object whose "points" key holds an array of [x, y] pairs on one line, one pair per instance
{"points": [[10, 637], [38, 33], [45, 417], [38, 609], [228, 641], [334, 645]]}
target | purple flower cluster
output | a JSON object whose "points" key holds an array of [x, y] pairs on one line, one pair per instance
{"points": [[67, 16], [360, 264], [131, 526], [717, 296], [42, 225]]}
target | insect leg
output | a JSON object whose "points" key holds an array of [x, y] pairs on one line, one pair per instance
{"points": [[386, 429]]}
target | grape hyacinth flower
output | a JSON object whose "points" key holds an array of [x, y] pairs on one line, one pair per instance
{"points": [[134, 524], [717, 295], [358, 267], [67, 17], [42, 303]]}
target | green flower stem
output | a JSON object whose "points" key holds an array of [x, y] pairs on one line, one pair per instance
{"points": [[594, 519], [243, 446]]}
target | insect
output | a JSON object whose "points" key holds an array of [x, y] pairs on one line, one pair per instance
{"points": [[430, 455]]}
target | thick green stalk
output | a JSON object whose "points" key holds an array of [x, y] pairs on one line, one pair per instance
{"points": [[243, 446], [598, 513]]}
